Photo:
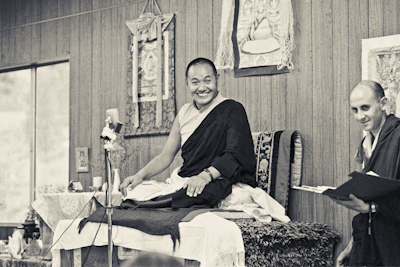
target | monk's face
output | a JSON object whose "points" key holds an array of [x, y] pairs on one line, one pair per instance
{"points": [[202, 84], [367, 109]]}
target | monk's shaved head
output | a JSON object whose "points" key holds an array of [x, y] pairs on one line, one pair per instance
{"points": [[374, 86]]}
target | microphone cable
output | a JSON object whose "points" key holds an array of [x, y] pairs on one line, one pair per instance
{"points": [[54, 243]]}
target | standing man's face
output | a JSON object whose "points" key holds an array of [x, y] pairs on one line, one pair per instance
{"points": [[367, 109]]}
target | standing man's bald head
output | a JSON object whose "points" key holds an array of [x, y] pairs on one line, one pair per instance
{"points": [[372, 85], [367, 101]]}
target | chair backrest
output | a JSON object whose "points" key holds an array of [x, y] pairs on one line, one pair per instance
{"points": [[279, 162]]}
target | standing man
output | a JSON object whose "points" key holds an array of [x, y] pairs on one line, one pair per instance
{"points": [[376, 230]]}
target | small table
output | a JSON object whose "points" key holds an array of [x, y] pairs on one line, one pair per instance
{"points": [[54, 207]]}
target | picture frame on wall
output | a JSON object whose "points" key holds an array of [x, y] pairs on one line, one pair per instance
{"points": [[82, 159], [381, 63]]}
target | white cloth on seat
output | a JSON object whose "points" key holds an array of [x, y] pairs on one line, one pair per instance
{"points": [[209, 239], [255, 202], [150, 189]]}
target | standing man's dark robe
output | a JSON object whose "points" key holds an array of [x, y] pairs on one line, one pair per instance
{"points": [[382, 247]]}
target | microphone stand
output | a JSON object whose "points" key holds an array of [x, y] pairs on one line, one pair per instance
{"points": [[109, 210], [109, 136]]}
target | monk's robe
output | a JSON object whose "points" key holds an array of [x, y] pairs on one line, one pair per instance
{"points": [[382, 247], [222, 140]]}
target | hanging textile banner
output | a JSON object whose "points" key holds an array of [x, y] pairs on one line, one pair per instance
{"points": [[256, 37], [151, 68]]}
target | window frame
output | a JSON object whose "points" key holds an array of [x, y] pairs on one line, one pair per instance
{"points": [[33, 68]]}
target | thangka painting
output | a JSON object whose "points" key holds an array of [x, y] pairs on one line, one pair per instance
{"points": [[381, 63], [151, 69], [261, 32]]}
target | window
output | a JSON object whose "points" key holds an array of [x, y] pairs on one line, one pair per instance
{"points": [[34, 117]]}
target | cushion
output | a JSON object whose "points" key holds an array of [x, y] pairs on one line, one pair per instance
{"points": [[279, 162]]}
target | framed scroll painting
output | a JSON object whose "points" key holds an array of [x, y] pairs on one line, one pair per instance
{"points": [[262, 37], [381, 63], [151, 69]]}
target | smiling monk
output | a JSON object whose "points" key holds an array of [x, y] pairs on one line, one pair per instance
{"points": [[217, 148]]}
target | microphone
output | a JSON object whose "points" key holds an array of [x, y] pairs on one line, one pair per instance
{"points": [[113, 126], [113, 120]]}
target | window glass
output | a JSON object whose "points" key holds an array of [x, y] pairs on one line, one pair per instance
{"points": [[21, 117], [52, 127]]}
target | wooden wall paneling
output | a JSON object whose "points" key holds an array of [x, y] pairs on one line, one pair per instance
{"points": [[36, 11], [205, 29], [253, 104], [23, 16], [48, 9], [158, 141], [18, 45], [358, 29], [265, 103], [391, 11], [114, 88], [64, 8], [106, 63], [6, 48], [122, 56], [164, 6], [85, 6], [278, 93], [12, 49], [13, 13], [98, 117], [22, 45], [74, 95], [191, 35], [122, 67], [341, 139], [300, 109], [99, 4], [36, 40], [5, 15], [131, 168], [48, 45], [143, 142], [106, 79], [75, 6], [1, 47], [62, 45], [323, 150], [84, 91], [179, 8], [216, 25], [239, 90], [131, 13], [375, 18]]}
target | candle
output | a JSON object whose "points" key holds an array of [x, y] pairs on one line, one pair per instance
{"points": [[97, 181]]}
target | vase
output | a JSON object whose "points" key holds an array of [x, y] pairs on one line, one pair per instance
{"points": [[117, 181]]}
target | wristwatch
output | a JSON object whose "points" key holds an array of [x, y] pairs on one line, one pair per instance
{"points": [[374, 207], [209, 173]]}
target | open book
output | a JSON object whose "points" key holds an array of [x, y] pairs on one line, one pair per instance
{"points": [[364, 186]]}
